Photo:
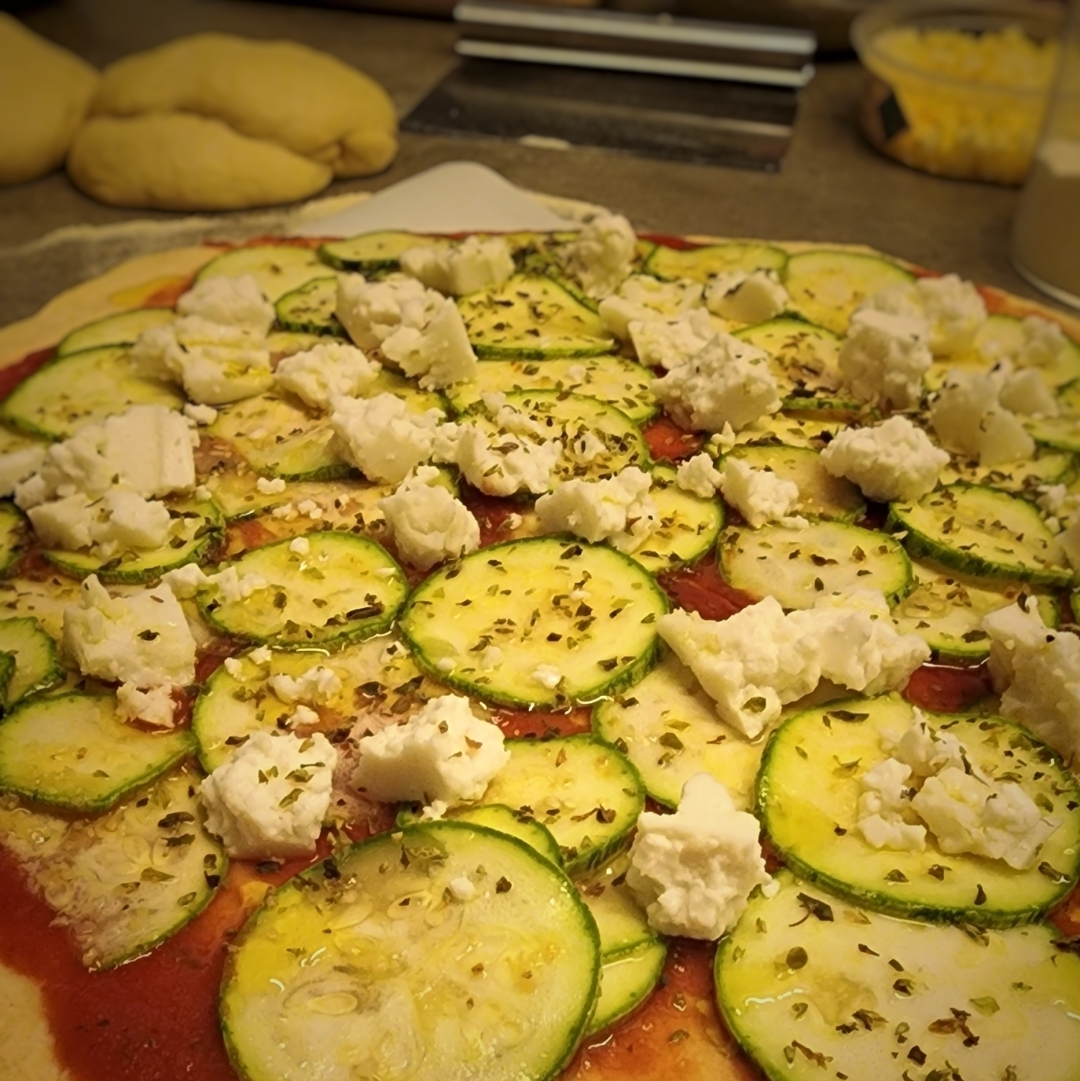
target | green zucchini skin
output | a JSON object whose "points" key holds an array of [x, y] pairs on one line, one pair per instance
{"points": [[14, 529], [36, 661], [701, 263], [120, 329], [371, 252], [310, 309], [278, 268]]}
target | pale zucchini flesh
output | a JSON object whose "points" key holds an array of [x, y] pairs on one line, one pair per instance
{"points": [[120, 329], [372, 251], [310, 309], [626, 981], [1002, 333], [13, 531], [700, 264], [278, 268], [36, 666], [1049, 466], [687, 525]]}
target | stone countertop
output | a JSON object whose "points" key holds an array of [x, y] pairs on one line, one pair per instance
{"points": [[832, 186]]}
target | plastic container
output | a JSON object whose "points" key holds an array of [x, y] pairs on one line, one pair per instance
{"points": [[958, 89]]}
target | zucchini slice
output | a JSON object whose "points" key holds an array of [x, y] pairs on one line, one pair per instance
{"points": [[582, 789], [37, 665], [790, 429], [43, 600], [345, 588], [812, 988], [803, 359], [826, 286], [383, 972], [72, 751], [13, 532], [700, 264], [983, 532], [622, 383], [278, 268], [1021, 478], [808, 792], [686, 529], [1061, 432], [796, 566], [127, 880], [194, 530], [310, 309], [667, 726], [82, 388], [621, 921], [120, 329], [946, 609], [626, 980], [570, 621], [821, 495], [1003, 334], [375, 675], [532, 317], [371, 252]]}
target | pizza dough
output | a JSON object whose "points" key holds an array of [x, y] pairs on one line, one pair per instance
{"points": [[310, 107], [175, 161], [46, 91]]}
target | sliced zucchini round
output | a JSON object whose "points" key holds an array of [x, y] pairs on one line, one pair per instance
{"points": [[813, 988], [120, 329], [370, 252], [821, 495], [621, 921], [1023, 478], [826, 285], [571, 622], [983, 532], [278, 268], [532, 317], [620, 382], [380, 971], [82, 388], [582, 789], [687, 525], [790, 429], [310, 309], [345, 588], [44, 600], [946, 610], [122, 882], [1061, 432], [37, 665], [808, 792], [626, 980], [13, 532], [195, 528], [797, 566], [700, 264], [668, 728], [1003, 334], [72, 751]]}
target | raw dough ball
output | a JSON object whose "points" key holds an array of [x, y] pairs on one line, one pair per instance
{"points": [[306, 101], [45, 91], [177, 162]]}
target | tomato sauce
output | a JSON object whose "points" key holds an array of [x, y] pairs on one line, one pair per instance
{"points": [[11, 376]]}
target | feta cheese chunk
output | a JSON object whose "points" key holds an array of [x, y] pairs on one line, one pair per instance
{"points": [[750, 664], [18, 465], [746, 297], [952, 309], [759, 495], [1036, 343], [643, 298], [547, 675], [926, 752], [326, 371], [727, 382], [314, 687], [1025, 392], [427, 523], [371, 311], [892, 460], [698, 475], [968, 419], [670, 343], [883, 358], [189, 580], [442, 752], [118, 521], [603, 254], [463, 267], [439, 355], [237, 302], [881, 809], [617, 510], [200, 414], [142, 638], [269, 799], [512, 464], [153, 706], [693, 871]]}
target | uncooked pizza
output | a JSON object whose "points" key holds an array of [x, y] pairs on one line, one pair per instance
{"points": [[518, 657]]}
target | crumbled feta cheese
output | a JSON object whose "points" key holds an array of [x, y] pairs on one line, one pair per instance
{"points": [[698, 475], [1036, 343], [326, 371], [892, 460], [727, 382], [968, 419], [459, 268], [1026, 392], [439, 355], [235, 302], [302, 715], [235, 667], [617, 509], [427, 523], [200, 414], [670, 343], [643, 298], [187, 581], [117, 521], [746, 297], [67, 523], [501, 464], [442, 752], [371, 311], [310, 509], [270, 485], [17, 465], [286, 512], [603, 254], [750, 664], [142, 638], [881, 806], [883, 358], [723, 440], [693, 871], [926, 752], [952, 309], [491, 658], [759, 495], [260, 656], [461, 889], [300, 546], [153, 706], [269, 798], [314, 687], [547, 675]]}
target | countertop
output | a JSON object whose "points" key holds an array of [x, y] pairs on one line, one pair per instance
{"points": [[832, 186]]}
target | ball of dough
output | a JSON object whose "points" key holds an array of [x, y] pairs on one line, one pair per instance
{"points": [[306, 101], [172, 161], [45, 91]]}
